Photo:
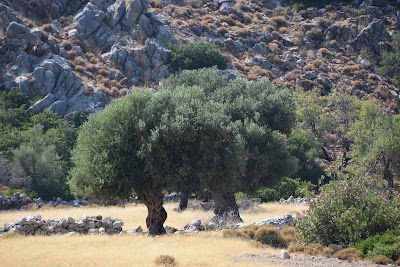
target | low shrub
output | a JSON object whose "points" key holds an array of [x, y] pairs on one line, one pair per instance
{"points": [[265, 230], [165, 260], [347, 211], [380, 259], [311, 249], [265, 234], [290, 234], [387, 244], [273, 240], [196, 55], [284, 189], [349, 254]]}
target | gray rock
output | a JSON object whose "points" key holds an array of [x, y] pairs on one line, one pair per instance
{"points": [[284, 254], [116, 12], [137, 229], [135, 8], [196, 222], [367, 41], [311, 75], [93, 231], [43, 103], [60, 108], [165, 36], [211, 226], [191, 228], [227, 8], [170, 230], [117, 224], [271, 4], [18, 37], [89, 20]]}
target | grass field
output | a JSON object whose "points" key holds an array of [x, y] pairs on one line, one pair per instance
{"points": [[202, 249]]}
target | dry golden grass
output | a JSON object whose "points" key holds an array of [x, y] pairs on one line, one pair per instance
{"points": [[202, 249], [205, 249]]}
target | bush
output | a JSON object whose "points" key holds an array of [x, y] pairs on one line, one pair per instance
{"points": [[349, 254], [387, 244], [165, 260], [265, 234], [348, 211], [380, 259], [310, 249], [196, 55], [284, 189], [273, 240], [390, 64]]}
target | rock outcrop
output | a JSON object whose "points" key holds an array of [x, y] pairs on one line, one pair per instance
{"points": [[94, 51], [52, 61]]}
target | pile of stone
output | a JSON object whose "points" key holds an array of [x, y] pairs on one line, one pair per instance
{"points": [[293, 200], [21, 201], [194, 226], [35, 225], [280, 222], [16, 201]]}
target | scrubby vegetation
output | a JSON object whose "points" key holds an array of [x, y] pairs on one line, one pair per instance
{"points": [[349, 210], [196, 55], [36, 148]]}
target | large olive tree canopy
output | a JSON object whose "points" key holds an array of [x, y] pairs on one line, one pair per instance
{"points": [[150, 142], [221, 135]]}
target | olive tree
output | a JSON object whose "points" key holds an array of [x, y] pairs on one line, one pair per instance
{"points": [[263, 115], [377, 142], [109, 160], [148, 143]]}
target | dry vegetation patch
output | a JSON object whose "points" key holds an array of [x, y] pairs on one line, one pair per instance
{"points": [[205, 249]]}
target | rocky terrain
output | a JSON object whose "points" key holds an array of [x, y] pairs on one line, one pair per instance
{"points": [[78, 55]]}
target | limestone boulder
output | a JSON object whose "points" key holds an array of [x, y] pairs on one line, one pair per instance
{"points": [[18, 37]]}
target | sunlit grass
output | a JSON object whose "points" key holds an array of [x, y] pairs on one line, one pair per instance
{"points": [[205, 249], [201, 249]]}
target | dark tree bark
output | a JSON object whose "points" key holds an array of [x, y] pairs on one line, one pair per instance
{"points": [[388, 176], [326, 154], [226, 207], [183, 202], [156, 214]]}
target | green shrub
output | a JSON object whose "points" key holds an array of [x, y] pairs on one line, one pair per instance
{"points": [[387, 244], [196, 55], [390, 63], [284, 189], [347, 211], [165, 260]]}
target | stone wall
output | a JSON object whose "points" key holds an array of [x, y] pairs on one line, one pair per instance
{"points": [[35, 225], [20, 201], [16, 201]]}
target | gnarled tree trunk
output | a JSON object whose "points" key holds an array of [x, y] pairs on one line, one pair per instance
{"points": [[388, 176], [156, 214], [226, 207], [183, 201]]}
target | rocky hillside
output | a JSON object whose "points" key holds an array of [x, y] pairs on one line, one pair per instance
{"points": [[76, 55]]}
